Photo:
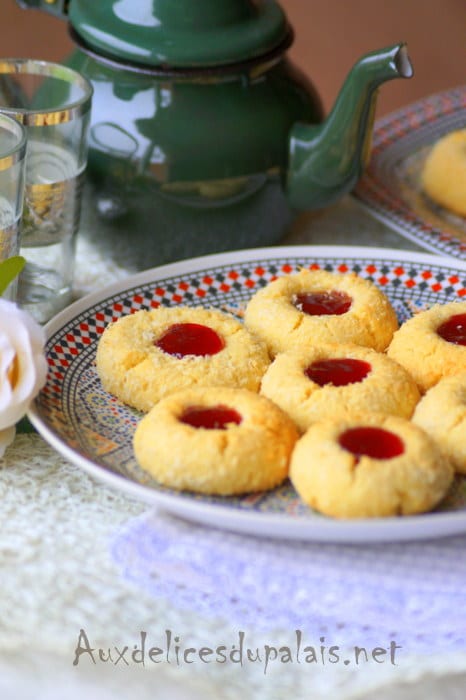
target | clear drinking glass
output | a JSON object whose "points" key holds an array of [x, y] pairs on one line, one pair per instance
{"points": [[12, 159], [53, 103]]}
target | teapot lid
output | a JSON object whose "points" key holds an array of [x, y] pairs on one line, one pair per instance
{"points": [[180, 33]]}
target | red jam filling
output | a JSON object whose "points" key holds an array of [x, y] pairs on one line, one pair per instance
{"points": [[183, 339], [338, 372], [323, 303], [213, 418], [373, 442], [454, 330]]}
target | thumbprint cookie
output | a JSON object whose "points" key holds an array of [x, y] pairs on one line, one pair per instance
{"points": [[442, 413], [216, 440], [316, 306], [332, 380], [369, 466], [444, 174], [432, 344], [147, 355]]}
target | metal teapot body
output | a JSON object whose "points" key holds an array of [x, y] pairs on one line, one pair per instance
{"points": [[193, 165], [214, 140]]}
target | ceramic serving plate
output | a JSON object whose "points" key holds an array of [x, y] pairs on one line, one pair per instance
{"points": [[390, 187], [94, 430]]}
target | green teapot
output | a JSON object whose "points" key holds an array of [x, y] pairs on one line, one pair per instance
{"points": [[204, 137]]}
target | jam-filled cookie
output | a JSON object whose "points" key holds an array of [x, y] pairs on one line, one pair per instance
{"points": [[444, 173], [332, 380], [316, 306], [147, 355], [218, 441], [369, 466], [442, 414], [432, 344]]}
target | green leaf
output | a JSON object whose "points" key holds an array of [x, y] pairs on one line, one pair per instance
{"points": [[25, 426], [9, 269]]}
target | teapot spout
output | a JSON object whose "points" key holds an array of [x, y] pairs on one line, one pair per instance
{"points": [[327, 160]]}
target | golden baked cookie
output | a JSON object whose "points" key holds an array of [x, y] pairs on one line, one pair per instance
{"points": [[316, 306], [147, 355], [442, 413], [432, 344], [444, 173], [215, 440], [369, 466], [329, 380]]}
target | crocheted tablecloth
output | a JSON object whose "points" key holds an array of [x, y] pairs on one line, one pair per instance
{"points": [[105, 597]]}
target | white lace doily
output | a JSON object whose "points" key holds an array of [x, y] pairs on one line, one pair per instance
{"points": [[75, 555], [350, 595]]}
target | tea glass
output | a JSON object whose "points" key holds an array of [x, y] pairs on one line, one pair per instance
{"points": [[53, 103], [12, 160]]}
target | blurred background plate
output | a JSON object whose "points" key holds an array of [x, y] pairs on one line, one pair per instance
{"points": [[390, 187]]}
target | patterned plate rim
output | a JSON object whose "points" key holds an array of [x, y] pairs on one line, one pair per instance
{"points": [[378, 197], [223, 516]]}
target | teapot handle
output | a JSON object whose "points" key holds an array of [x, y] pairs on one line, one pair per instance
{"points": [[59, 8]]}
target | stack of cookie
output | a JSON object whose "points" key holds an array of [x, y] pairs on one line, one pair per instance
{"points": [[197, 373], [318, 384], [336, 371]]}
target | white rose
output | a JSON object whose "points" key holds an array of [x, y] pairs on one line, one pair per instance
{"points": [[23, 367]]}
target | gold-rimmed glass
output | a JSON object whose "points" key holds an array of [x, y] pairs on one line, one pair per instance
{"points": [[12, 160], [53, 103]]}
